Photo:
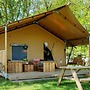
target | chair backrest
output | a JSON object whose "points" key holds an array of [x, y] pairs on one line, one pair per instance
{"points": [[75, 60], [78, 60]]}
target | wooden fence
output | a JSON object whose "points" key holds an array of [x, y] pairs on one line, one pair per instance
{"points": [[2, 57]]}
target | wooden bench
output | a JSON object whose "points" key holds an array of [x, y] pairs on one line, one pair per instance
{"points": [[74, 74]]}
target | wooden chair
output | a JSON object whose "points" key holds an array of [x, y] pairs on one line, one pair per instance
{"points": [[77, 61]]}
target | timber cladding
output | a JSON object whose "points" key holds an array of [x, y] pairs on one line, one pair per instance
{"points": [[14, 67], [28, 67], [18, 67], [2, 57], [48, 66]]}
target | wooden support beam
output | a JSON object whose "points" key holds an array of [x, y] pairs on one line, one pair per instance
{"points": [[89, 53], [5, 48], [89, 46]]}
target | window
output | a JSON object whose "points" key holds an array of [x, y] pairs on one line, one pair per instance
{"points": [[19, 52]]}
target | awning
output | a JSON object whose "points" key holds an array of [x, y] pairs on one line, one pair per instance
{"points": [[60, 22]]}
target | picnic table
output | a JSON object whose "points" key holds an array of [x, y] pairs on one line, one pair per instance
{"points": [[73, 70]]}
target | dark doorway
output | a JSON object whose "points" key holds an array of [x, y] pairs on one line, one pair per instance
{"points": [[47, 54]]}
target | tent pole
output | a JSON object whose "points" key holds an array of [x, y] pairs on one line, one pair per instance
{"points": [[70, 54], [89, 47], [6, 48]]}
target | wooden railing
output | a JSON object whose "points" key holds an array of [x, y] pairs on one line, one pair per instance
{"points": [[2, 58]]}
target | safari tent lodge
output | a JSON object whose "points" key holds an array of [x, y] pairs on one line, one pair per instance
{"points": [[41, 39]]}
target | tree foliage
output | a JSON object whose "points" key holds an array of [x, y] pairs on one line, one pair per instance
{"points": [[13, 10]]}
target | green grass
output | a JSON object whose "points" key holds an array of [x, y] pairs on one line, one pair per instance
{"points": [[41, 85]]}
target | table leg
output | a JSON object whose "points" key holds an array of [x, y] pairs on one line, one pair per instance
{"points": [[76, 79], [61, 76]]}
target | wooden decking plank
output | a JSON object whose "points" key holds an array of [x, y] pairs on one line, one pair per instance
{"points": [[30, 75]]}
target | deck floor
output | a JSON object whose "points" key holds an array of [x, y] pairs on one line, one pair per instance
{"points": [[39, 75]]}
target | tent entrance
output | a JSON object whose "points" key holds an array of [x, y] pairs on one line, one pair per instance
{"points": [[47, 54]]}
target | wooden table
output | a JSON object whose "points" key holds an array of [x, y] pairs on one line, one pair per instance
{"points": [[74, 74]]}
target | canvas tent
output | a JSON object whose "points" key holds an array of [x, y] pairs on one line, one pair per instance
{"points": [[60, 22]]}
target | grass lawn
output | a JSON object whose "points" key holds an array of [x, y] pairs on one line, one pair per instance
{"points": [[41, 85]]}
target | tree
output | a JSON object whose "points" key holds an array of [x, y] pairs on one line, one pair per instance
{"points": [[18, 9]]}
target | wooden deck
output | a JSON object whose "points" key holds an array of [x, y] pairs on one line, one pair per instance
{"points": [[40, 75]]}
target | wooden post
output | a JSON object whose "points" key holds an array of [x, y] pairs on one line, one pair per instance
{"points": [[70, 54], [65, 62], [88, 63], [6, 48], [89, 47]]}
